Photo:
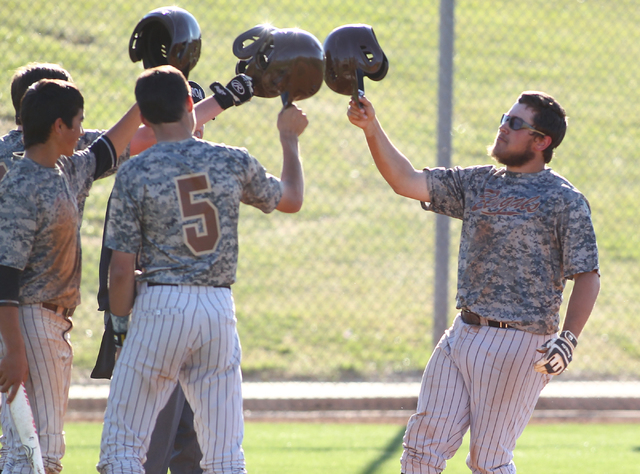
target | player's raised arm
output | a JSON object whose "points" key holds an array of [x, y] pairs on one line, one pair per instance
{"points": [[124, 130], [237, 92], [394, 167], [291, 123]]}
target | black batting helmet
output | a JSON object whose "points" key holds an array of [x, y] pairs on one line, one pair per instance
{"points": [[281, 62], [167, 35], [352, 52]]}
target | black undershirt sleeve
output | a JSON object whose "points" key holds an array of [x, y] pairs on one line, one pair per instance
{"points": [[105, 153], [9, 286]]}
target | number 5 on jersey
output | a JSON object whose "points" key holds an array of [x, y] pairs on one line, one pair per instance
{"points": [[202, 236]]}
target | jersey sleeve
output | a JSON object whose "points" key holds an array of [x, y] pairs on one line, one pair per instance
{"points": [[123, 229], [447, 191], [261, 189], [18, 225], [86, 140], [580, 250]]}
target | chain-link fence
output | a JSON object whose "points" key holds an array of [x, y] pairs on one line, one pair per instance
{"points": [[344, 289]]}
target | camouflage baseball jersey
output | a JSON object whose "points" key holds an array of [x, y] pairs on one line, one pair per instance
{"points": [[40, 223], [178, 203], [12, 143], [523, 235]]}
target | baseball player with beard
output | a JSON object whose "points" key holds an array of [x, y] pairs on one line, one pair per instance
{"points": [[525, 231], [175, 210], [40, 258]]}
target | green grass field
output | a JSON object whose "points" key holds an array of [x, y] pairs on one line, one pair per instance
{"points": [[344, 289], [292, 448]]}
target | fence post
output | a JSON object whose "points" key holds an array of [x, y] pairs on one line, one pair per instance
{"points": [[445, 113]]}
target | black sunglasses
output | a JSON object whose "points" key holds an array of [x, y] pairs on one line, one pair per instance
{"points": [[516, 123]]}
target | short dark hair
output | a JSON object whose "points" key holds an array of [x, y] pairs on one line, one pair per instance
{"points": [[30, 74], [44, 102], [549, 118], [161, 93]]}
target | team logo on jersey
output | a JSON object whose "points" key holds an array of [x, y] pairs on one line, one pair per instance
{"points": [[491, 203]]}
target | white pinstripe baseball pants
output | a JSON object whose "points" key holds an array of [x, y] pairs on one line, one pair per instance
{"points": [[185, 335], [479, 378], [49, 354]]}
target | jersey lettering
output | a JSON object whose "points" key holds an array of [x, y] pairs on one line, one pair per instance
{"points": [[201, 237], [491, 203], [3, 170]]}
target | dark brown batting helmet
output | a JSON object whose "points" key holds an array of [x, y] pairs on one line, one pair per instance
{"points": [[281, 62], [167, 35], [352, 52]]}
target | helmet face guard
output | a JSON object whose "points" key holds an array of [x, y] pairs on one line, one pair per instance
{"points": [[353, 53], [168, 35], [281, 62]]}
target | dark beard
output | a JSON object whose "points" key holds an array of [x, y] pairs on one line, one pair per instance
{"points": [[512, 159]]}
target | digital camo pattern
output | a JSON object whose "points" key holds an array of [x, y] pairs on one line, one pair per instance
{"points": [[12, 143], [40, 231], [523, 235], [178, 202]]}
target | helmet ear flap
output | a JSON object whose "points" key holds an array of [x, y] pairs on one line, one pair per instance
{"points": [[156, 41], [382, 71], [352, 53], [256, 35]]}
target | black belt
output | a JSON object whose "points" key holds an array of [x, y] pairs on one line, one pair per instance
{"points": [[153, 283], [475, 319], [67, 312]]}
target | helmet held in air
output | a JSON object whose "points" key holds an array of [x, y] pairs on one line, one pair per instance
{"points": [[281, 62], [352, 52], [167, 35]]}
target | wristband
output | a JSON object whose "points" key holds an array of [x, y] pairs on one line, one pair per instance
{"points": [[120, 327], [222, 95]]}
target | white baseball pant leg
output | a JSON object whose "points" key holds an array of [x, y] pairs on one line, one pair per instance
{"points": [[184, 334], [478, 378], [50, 356]]}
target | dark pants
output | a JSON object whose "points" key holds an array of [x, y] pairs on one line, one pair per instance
{"points": [[173, 442]]}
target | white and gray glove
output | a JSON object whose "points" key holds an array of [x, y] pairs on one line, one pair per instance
{"points": [[558, 352]]}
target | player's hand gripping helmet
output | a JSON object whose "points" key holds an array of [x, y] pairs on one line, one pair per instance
{"points": [[352, 52], [167, 35], [281, 62]]}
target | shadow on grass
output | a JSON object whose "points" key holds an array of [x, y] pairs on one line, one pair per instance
{"points": [[388, 451]]}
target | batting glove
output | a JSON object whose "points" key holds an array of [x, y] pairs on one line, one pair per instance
{"points": [[558, 352], [120, 328], [237, 92]]}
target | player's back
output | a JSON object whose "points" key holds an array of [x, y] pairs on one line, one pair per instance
{"points": [[186, 197]]}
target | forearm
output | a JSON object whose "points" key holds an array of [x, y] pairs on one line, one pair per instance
{"points": [[10, 330], [206, 110], [121, 283], [581, 302], [292, 176], [124, 130], [394, 167], [14, 367]]}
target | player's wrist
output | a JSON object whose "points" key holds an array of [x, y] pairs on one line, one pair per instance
{"points": [[222, 95], [120, 328], [570, 337]]}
